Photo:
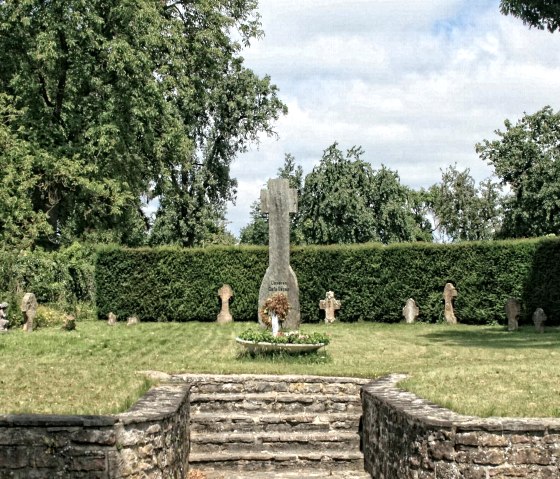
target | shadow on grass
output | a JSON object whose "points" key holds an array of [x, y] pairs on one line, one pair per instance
{"points": [[315, 357], [525, 337]]}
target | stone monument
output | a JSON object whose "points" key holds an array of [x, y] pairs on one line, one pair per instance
{"points": [[112, 319], [132, 320], [449, 294], [513, 310], [330, 304], [539, 317], [225, 293], [410, 311], [29, 310], [279, 200], [3, 318]]}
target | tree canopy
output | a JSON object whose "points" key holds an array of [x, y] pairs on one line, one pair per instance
{"points": [[535, 13], [461, 210], [118, 101], [344, 200], [526, 158]]}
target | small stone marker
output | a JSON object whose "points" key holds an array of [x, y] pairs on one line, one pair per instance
{"points": [[69, 323], [3, 318], [539, 317], [29, 310], [279, 200], [132, 320], [225, 293], [513, 310], [449, 294], [410, 311], [112, 319], [330, 304]]}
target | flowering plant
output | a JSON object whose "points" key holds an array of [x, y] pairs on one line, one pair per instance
{"points": [[276, 304], [289, 337]]}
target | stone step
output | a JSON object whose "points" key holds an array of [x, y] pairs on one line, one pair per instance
{"points": [[275, 442], [282, 461], [274, 403], [263, 384], [299, 474], [236, 422]]}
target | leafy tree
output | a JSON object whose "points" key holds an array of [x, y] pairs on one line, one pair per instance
{"points": [[120, 99], [345, 201], [526, 158], [461, 210], [20, 225], [535, 13]]}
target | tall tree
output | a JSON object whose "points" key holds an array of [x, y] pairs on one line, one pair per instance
{"points": [[526, 158], [535, 13], [124, 98], [345, 201], [461, 210]]}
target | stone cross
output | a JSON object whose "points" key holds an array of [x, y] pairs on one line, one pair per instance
{"points": [[449, 294], [539, 317], [410, 311], [279, 200], [3, 321], [225, 293], [330, 304], [29, 310], [513, 310]]}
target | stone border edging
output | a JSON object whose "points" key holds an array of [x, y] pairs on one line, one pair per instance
{"points": [[405, 436], [431, 414], [150, 440]]}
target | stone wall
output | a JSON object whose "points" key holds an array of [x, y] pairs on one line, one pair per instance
{"points": [[405, 437], [151, 440]]}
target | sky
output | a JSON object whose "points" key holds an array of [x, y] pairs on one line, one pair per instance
{"points": [[415, 83]]}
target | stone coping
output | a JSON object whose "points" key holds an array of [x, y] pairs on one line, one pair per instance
{"points": [[193, 377], [430, 414], [160, 402]]}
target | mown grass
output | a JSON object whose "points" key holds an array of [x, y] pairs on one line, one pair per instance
{"points": [[482, 370]]}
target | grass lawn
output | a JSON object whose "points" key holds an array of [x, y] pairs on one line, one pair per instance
{"points": [[480, 370]]}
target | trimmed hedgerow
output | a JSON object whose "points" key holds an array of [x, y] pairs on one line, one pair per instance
{"points": [[372, 281]]}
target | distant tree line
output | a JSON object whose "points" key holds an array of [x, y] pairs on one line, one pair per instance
{"points": [[345, 200]]}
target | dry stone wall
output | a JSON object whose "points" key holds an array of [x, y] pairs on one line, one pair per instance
{"points": [[408, 438], [150, 440]]}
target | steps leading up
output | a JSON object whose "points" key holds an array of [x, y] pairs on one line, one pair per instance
{"points": [[256, 427]]}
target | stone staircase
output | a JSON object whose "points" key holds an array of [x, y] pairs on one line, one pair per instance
{"points": [[257, 427]]}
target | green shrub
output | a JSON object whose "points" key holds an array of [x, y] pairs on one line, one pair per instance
{"points": [[372, 281]]}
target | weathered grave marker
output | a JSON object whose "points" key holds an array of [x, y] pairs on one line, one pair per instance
{"points": [[112, 319], [410, 311], [330, 304], [3, 318], [29, 310], [225, 293], [132, 320], [513, 310], [449, 294], [279, 200], [539, 318]]}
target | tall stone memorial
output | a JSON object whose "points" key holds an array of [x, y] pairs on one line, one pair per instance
{"points": [[279, 200]]}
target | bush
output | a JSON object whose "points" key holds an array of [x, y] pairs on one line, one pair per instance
{"points": [[372, 281]]}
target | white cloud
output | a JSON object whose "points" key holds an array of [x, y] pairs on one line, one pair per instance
{"points": [[417, 84]]}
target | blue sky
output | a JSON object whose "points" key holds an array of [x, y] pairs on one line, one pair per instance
{"points": [[416, 83]]}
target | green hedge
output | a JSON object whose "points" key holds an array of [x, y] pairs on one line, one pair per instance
{"points": [[373, 281]]}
